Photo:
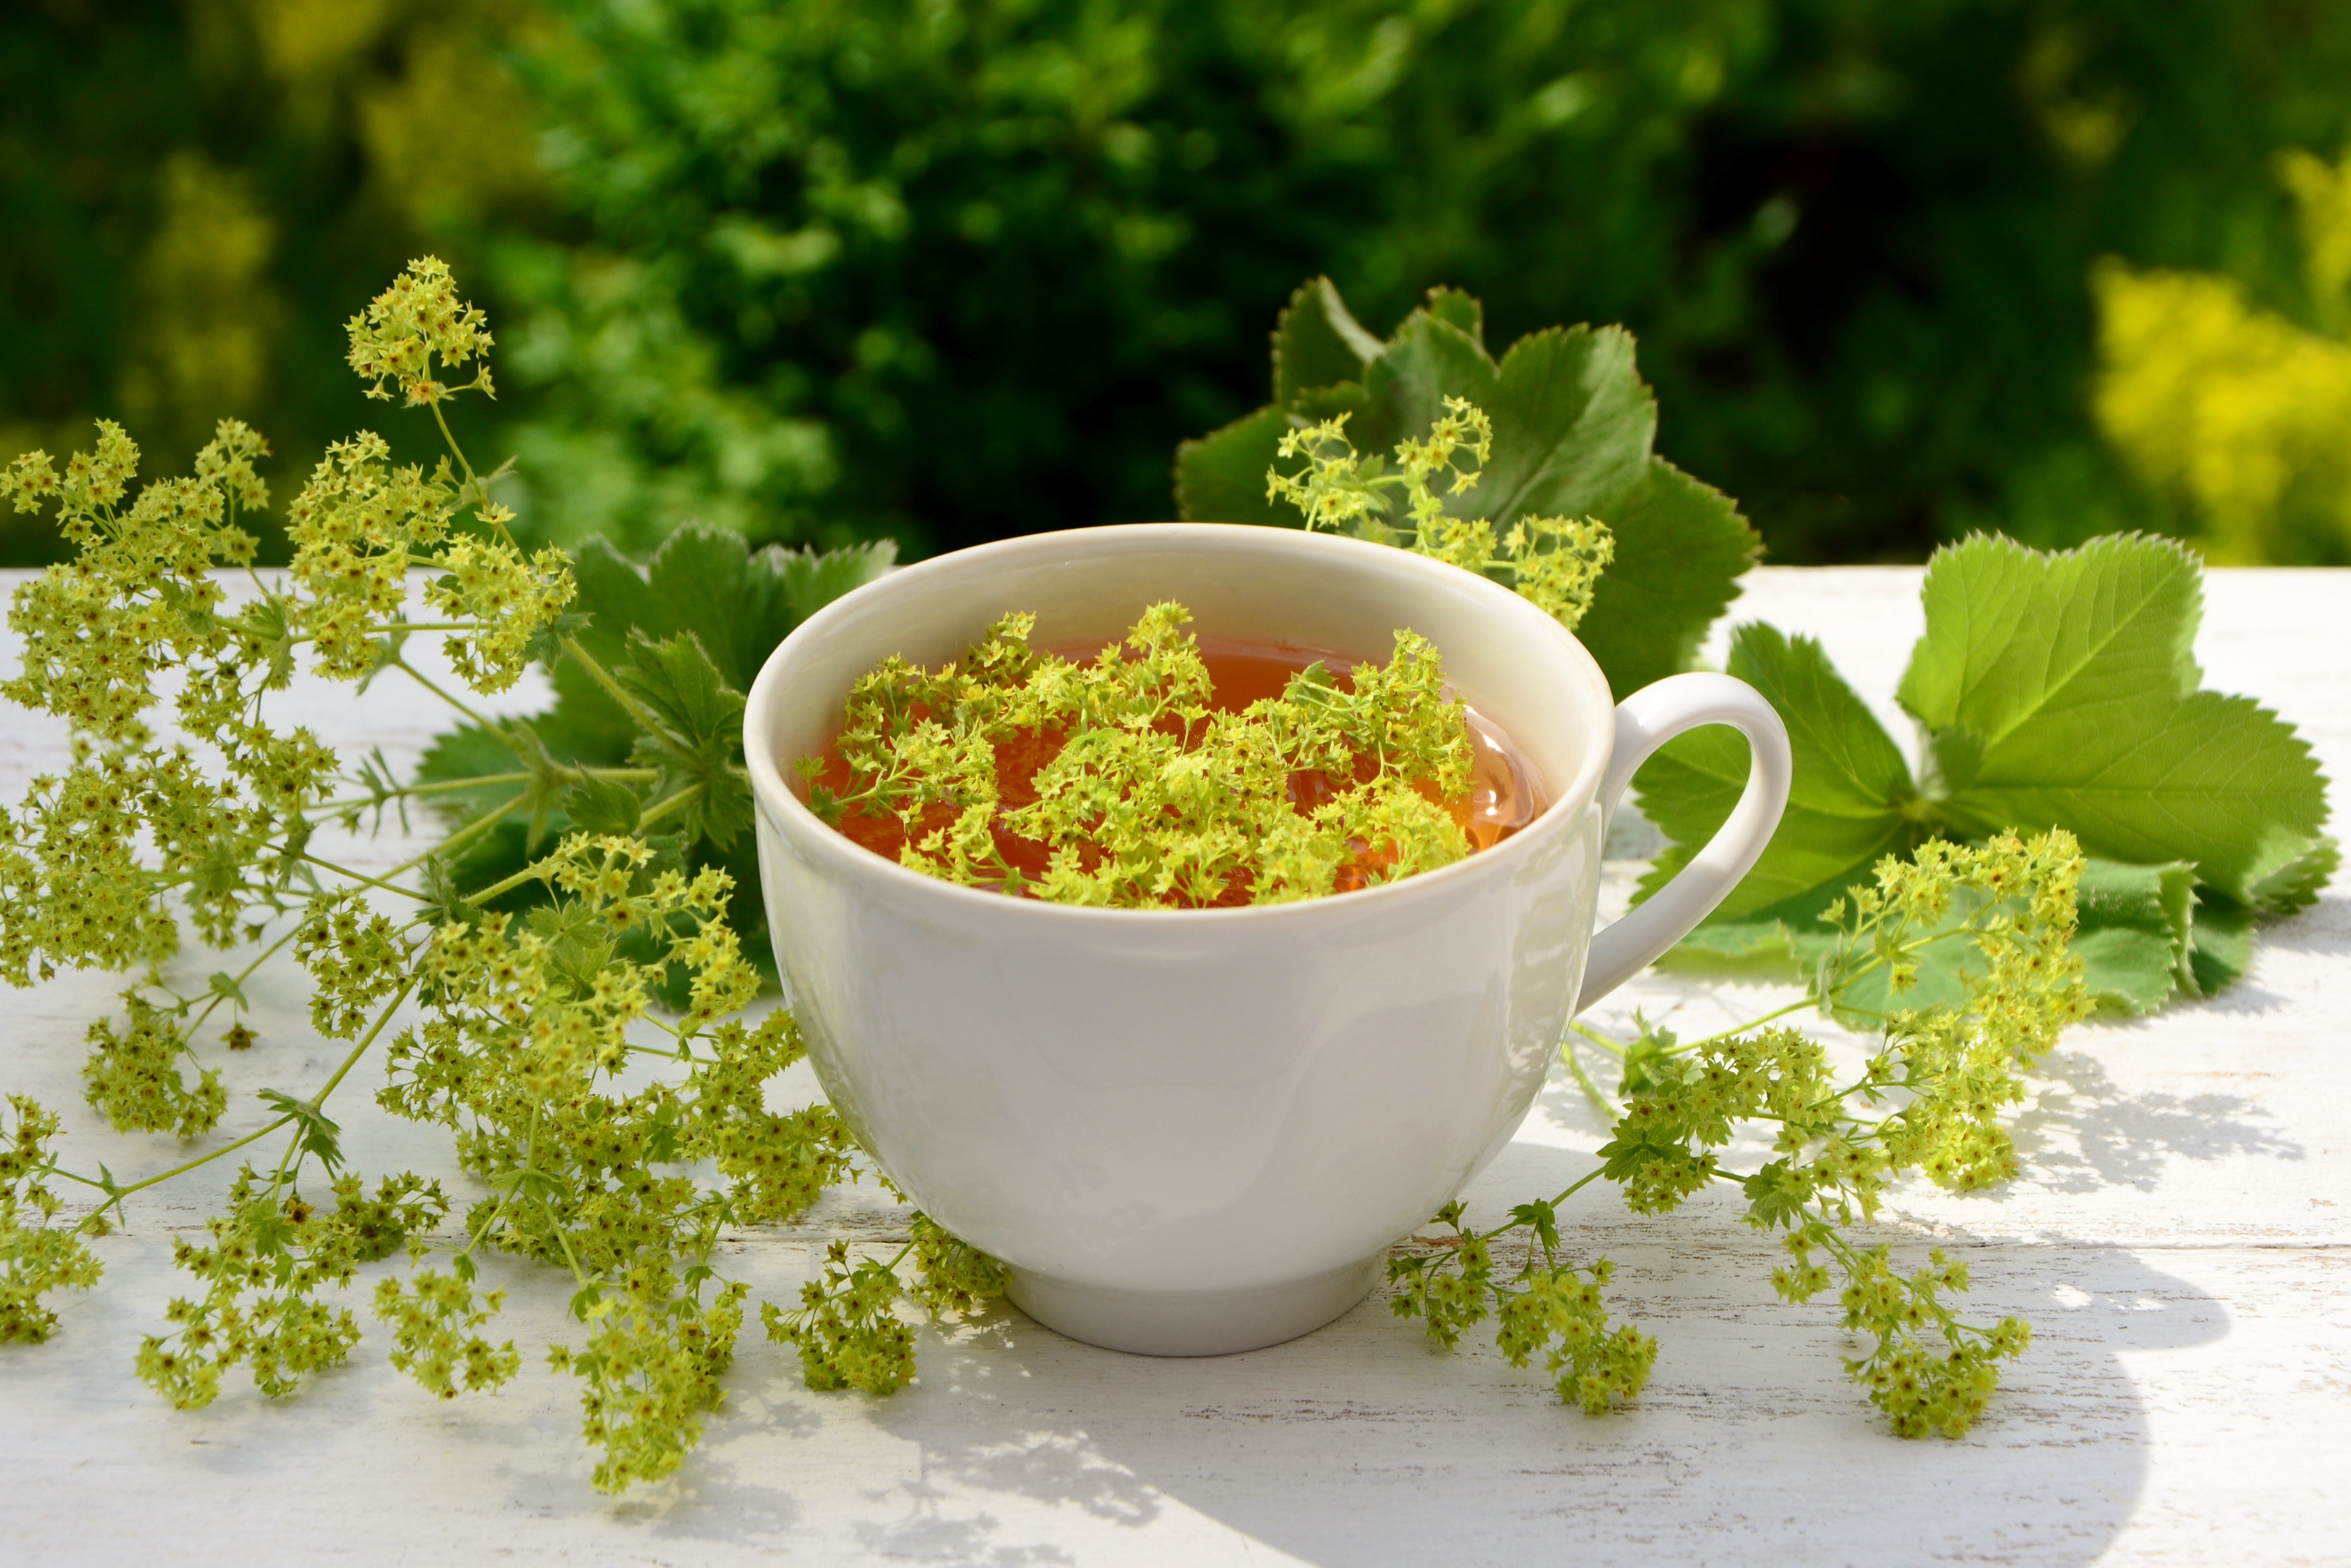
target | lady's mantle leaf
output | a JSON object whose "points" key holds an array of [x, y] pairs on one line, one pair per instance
{"points": [[2138, 933], [1317, 342], [1573, 426], [699, 740], [2220, 781], [738, 603], [2014, 635], [1220, 478], [1681, 548], [2051, 691], [1845, 813], [2061, 690]]}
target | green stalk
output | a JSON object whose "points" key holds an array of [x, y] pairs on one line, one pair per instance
{"points": [[1583, 1080], [644, 718], [422, 680], [462, 836]]}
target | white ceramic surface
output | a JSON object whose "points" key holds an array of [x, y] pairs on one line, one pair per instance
{"points": [[1191, 1132]]}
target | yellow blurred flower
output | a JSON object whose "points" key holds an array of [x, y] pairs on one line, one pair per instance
{"points": [[2239, 412]]}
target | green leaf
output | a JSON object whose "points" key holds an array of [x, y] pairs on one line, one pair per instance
{"points": [[2014, 634], [1461, 308], [603, 806], [2137, 935], [1429, 360], [1572, 421], [2214, 780], [739, 604], [546, 784], [2059, 690], [1317, 342], [700, 743], [1776, 1196], [1681, 548], [1544, 1215], [2224, 943], [2296, 883], [1846, 811], [2051, 691], [811, 582], [265, 622], [545, 645], [677, 679], [1652, 1046], [318, 1133], [1220, 478], [469, 751], [1573, 426]]}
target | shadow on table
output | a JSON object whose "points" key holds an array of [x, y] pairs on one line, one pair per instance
{"points": [[2083, 1132], [1360, 1444]]}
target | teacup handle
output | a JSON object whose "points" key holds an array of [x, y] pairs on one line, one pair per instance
{"points": [[1645, 721]]}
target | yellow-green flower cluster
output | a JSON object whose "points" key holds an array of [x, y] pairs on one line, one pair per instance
{"points": [[525, 1015], [1553, 562], [652, 1364], [356, 956], [951, 1275], [1559, 1311], [360, 526], [1154, 796], [1929, 1372], [357, 529], [1447, 1289], [139, 598], [1961, 1066], [779, 1162], [1930, 1100], [72, 890], [535, 1008], [847, 1330], [34, 1257], [133, 1078], [1548, 1306], [406, 329], [436, 1333], [270, 1254], [1686, 1106], [510, 599]]}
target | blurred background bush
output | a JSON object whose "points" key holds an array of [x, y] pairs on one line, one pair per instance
{"points": [[952, 269]]}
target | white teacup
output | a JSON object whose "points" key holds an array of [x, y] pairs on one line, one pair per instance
{"points": [[1191, 1132]]}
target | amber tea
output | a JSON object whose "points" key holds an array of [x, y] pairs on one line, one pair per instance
{"points": [[1501, 796]]}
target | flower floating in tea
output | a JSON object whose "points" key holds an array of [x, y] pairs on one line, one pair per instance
{"points": [[1125, 781]]}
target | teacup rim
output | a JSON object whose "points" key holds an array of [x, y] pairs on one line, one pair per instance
{"points": [[774, 800]]}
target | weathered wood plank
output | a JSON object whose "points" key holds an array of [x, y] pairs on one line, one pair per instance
{"points": [[2182, 1242]]}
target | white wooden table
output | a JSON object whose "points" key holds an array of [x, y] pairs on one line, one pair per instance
{"points": [[2179, 1242]]}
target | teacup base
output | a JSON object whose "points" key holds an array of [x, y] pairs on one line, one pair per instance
{"points": [[1206, 1322]]}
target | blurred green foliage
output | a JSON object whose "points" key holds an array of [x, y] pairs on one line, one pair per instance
{"points": [[195, 194], [951, 269]]}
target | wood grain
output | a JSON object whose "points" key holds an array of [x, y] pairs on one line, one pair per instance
{"points": [[2181, 1241]]}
